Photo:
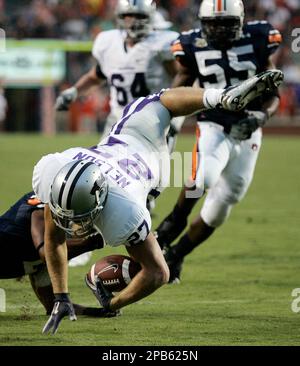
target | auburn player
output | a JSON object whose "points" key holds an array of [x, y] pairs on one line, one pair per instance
{"points": [[223, 53], [22, 249], [133, 60]]}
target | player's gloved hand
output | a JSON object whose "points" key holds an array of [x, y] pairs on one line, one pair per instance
{"points": [[65, 98], [246, 126], [62, 307]]}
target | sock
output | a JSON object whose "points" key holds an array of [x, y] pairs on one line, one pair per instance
{"points": [[211, 97], [183, 248], [181, 213]]}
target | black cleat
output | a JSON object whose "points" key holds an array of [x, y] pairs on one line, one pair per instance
{"points": [[175, 266], [169, 230]]}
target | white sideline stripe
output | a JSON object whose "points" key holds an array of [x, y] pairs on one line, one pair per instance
{"points": [[125, 271]]}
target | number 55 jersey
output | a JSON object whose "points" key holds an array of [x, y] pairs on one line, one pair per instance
{"points": [[133, 72], [214, 67]]}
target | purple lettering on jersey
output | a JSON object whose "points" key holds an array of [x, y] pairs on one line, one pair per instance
{"points": [[123, 183], [109, 169], [128, 166], [138, 108], [146, 174], [117, 176], [99, 162], [80, 156], [104, 154], [136, 168], [91, 158]]}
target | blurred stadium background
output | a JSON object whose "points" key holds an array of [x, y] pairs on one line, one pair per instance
{"points": [[48, 48]]}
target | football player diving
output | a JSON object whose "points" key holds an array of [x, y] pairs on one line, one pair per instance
{"points": [[104, 189], [22, 250], [222, 54]]}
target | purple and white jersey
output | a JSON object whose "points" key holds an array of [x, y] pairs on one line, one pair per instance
{"points": [[133, 72], [132, 158]]}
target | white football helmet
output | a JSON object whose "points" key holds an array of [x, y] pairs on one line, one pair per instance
{"points": [[222, 20], [142, 11], [78, 194]]}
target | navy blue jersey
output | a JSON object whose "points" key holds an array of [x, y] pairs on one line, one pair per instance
{"points": [[214, 67], [15, 224]]}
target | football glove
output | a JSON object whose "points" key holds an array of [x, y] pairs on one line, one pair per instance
{"points": [[65, 98], [62, 307], [246, 126]]}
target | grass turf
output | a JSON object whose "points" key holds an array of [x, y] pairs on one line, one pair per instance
{"points": [[236, 289]]}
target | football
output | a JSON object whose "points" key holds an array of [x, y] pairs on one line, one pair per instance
{"points": [[115, 271]]}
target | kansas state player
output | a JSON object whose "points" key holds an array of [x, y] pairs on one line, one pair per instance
{"points": [[104, 189], [222, 54], [22, 249], [134, 60]]}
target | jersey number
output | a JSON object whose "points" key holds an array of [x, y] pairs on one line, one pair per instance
{"points": [[140, 235], [219, 72], [138, 88]]}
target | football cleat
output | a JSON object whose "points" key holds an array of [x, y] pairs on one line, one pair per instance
{"points": [[175, 266], [169, 230], [237, 97]]}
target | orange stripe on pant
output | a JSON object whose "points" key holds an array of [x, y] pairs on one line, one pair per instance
{"points": [[195, 158], [219, 5]]}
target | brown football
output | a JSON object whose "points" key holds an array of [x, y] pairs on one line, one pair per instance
{"points": [[115, 271]]}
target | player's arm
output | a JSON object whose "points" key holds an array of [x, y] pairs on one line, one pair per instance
{"points": [[57, 264], [258, 118], [154, 273], [171, 67], [56, 253], [92, 78], [183, 76], [271, 106]]}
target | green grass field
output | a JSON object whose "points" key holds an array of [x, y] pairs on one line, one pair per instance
{"points": [[236, 289]]}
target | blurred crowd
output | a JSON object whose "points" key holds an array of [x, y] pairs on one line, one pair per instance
{"points": [[78, 19], [84, 19]]}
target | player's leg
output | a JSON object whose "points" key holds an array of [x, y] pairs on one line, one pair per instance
{"points": [[11, 261], [41, 285], [231, 188], [210, 156]]}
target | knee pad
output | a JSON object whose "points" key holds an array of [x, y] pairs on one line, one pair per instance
{"points": [[236, 192], [215, 212]]}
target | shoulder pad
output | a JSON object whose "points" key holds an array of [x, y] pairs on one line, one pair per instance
{"points": [[184, 40], [35, 202]]}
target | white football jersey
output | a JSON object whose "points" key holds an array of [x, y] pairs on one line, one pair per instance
{"points": [[134, 72], [135, 160]]}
